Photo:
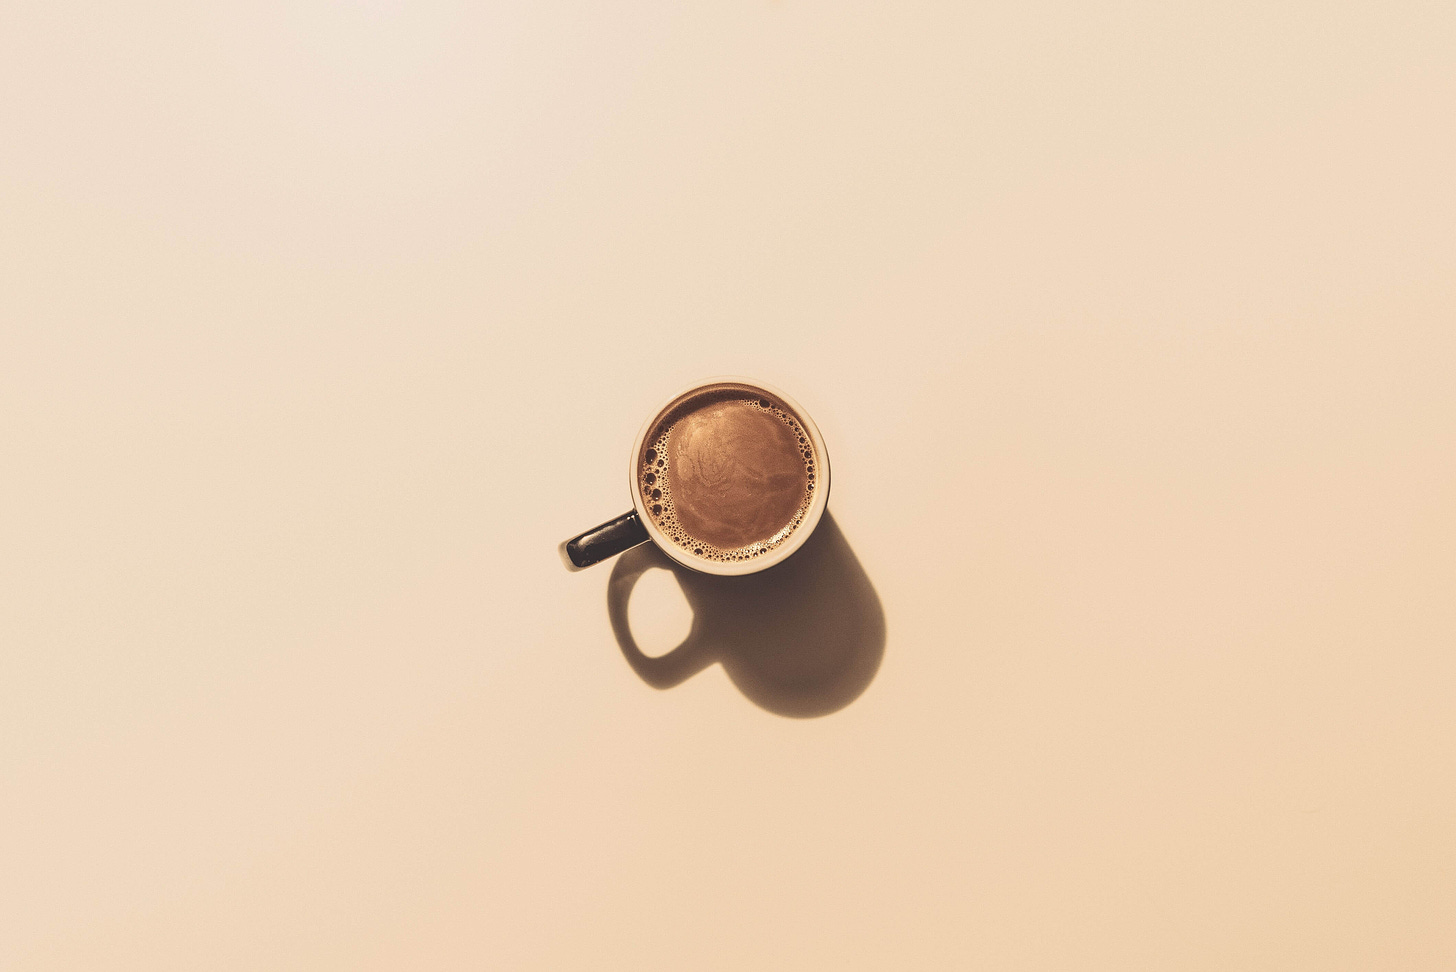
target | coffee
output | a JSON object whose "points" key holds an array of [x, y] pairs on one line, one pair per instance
{"points": [[727, 472]]}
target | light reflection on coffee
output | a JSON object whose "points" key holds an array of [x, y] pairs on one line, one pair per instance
{"points": [[727, 472]]}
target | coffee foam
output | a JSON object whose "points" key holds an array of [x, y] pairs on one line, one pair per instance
{"points": [[677, 439]]}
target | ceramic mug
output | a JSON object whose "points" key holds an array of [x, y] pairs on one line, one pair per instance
{"points": [[644, 522]]}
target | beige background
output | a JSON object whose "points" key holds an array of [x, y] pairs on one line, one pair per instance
{"points": [[1132, 331]]}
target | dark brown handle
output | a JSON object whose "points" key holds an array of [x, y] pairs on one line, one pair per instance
{"points": [[607, 540]]}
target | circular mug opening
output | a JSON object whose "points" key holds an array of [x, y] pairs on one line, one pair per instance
{"points": [[730, 495]]}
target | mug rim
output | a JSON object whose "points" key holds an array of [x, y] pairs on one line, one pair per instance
{"points": [[753, 565]]}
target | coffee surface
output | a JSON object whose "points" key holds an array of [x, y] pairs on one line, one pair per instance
{"points": [[727, 473]]}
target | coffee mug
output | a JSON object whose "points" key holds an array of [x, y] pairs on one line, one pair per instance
{"points": [[730, 476]]}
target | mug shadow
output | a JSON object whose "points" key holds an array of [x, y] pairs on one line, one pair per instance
{"points": [[803, 638]]}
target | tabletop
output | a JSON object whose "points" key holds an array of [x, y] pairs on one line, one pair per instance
{"points": [[1127, 641]]}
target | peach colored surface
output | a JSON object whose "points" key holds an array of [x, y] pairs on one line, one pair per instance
{"points": [[1131, 328]]}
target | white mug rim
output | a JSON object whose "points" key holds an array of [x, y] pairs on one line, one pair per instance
{"points": [[753, 565]]}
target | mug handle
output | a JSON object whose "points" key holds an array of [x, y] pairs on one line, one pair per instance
{"points": [[601, 542]]}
